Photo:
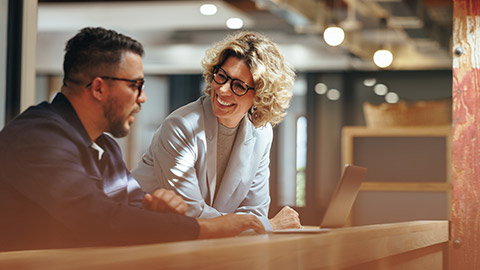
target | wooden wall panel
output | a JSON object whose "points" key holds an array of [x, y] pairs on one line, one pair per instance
{"points": [[465, 232]]}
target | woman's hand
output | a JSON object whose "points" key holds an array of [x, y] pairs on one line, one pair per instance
{"points": [[165, 201], [285, 219]]}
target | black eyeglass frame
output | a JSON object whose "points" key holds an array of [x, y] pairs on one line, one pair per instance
{"points": [[139, 83], [217, 68]]}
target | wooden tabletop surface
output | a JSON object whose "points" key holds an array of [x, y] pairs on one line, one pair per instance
{"points": [[337, 248]]}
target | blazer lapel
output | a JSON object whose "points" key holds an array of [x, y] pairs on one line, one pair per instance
{"points": [[211, 127], [237, 177]]}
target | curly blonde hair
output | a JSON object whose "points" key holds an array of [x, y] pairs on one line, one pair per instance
{"points": [[272, 76]]}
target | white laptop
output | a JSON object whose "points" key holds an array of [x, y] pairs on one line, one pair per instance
{"points": [[340, 204]]}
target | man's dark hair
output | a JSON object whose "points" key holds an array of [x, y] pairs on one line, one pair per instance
{"points": [[96, 52]]}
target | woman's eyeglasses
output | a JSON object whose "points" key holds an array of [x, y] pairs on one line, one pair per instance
{"points": [[237, 86]]}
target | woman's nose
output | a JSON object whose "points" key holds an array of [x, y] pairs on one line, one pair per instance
{"points": [[225, 88]]}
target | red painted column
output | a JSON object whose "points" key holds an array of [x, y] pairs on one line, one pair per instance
{"points": [[465, 234]]}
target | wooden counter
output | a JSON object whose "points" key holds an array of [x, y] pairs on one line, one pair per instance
{"points": [[406, 245]]}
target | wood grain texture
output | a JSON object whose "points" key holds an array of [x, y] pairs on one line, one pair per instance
{"points": [[406, 186], [465, 244], [373, 246]]}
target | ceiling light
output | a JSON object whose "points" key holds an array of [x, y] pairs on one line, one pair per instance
{"points": [[321, 88], [383, 58], [234, 23], [333, 94], [369, 82], [208, 9], [380, 89], [392, 97], [334, 35]]}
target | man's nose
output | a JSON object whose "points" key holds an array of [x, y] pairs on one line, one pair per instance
{"points": [[142, 98]]}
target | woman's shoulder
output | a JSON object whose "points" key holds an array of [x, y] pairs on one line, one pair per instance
{"points": [[188, 119], [190, 112], [267, 128], [187, 109], [264, 132]]}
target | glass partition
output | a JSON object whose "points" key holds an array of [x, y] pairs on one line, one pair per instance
{"points": [[3, 58]]}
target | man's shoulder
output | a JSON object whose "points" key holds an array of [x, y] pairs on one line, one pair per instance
{"points": [[38, 124], [33, 117]]}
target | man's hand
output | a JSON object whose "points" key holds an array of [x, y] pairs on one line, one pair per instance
{"points": [[165, 201], [228, 225], [285, 219]]}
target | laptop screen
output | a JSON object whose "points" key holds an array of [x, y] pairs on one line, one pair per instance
{"points": [[342, 200]]}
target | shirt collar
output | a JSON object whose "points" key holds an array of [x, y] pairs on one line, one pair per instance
{"points": [[99, 149]]}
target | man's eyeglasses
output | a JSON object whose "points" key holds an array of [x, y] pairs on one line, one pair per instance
{"points": [[139, 84], [237, 86]]}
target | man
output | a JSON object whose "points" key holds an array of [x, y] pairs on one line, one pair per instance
{"points": [[63, 182]]}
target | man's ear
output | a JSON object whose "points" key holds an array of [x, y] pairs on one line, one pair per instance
{"points": [[98, 88]]}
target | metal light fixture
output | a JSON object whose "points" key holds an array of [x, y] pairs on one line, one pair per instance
{"points": [[334, 34], [383, 57]]}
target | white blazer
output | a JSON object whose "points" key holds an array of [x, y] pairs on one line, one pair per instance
{"points": [[182, 157]]}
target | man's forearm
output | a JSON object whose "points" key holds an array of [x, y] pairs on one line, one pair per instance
{"points": [[228, 226]]}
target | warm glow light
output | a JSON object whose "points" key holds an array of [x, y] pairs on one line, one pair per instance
{"points": [[321, 88], [392, 97], [380, 89], [208, 9], [333, 35], [333, 94], [369, 82], [383, 58], [234, 23]]}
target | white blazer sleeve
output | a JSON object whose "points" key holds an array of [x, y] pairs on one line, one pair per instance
{"points": [[257, 201], [170, 163]]}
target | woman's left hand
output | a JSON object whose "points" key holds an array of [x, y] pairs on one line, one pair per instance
{"points": [[285, 219]]}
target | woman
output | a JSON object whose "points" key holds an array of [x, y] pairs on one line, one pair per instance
{"points": [[215, 152]]}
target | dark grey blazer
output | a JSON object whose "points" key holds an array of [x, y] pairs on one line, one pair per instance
{"points": [[53, 194]]}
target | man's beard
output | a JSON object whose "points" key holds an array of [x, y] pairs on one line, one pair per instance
{"points": [[116, 124]]}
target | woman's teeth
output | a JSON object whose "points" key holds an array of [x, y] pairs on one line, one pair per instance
{"points": [[223, 102]]}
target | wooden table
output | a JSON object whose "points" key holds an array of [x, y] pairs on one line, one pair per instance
{"points": [[406, 245]]}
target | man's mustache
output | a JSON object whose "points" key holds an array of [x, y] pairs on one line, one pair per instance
{"points": [[137, 109]]}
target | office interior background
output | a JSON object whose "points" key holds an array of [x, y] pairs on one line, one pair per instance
{"points": [[333, 83]]}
